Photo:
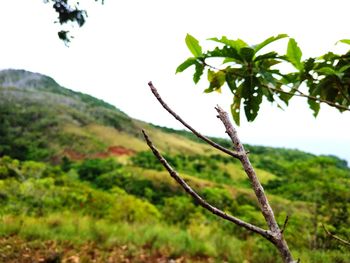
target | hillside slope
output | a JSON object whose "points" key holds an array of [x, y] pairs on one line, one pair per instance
{"points": [[42, 120], [129, 205]]}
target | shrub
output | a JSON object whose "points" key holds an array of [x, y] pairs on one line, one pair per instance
{"points": [[131, 209]]}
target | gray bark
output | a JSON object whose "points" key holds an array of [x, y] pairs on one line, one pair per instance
{"points": [[273, 234]]}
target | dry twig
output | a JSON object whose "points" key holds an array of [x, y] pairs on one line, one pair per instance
{"points": [[342, 241]]}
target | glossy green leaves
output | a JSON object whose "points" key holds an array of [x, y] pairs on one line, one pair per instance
{"points": [[216, 80], [294, 54], [345, 41], [193, 45], [269, 41], [197, 61], [252, 75], [187, 63]]}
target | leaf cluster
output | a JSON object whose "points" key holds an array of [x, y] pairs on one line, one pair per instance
{"points": [[68, 13], [252, 75]]}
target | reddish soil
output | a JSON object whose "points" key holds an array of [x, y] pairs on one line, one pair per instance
{"points": [[16, 250], [110, 152], [118, 150]]}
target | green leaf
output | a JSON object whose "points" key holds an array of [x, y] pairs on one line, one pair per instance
{"points": [[236, 44], [187, 63], [314, 106], [268, 94], [309, 64], [327, 71], [345, 41], [231, 80], [267, 77], [294, 54], [247, 53], [228, 60], [285, 97], [344, 68], [236, 105], [193, 45], [216, 79], [198, 72], [270, 55], [225, 52], [268, 63], [268, 41], [252, 94]]}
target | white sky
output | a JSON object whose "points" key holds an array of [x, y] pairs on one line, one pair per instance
{"points": [[125, 44]]}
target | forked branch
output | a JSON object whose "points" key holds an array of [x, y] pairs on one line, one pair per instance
{"points": [[274, 234], [199, 199], [199, 135]]}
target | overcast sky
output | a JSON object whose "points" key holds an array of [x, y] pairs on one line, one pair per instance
{"points": [[125, 44]]}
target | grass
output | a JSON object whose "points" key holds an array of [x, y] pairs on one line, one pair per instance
{"points": [[174, 144], [200, 241], [113, 137]]}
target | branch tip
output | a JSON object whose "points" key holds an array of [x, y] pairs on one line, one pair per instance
{"points": [[285, 224], [199, 135]]}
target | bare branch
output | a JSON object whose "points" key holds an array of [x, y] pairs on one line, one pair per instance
{"points": [[265, 233], [274, 234], [248, 168], [301, 94], [266, 210], [204, 138], [342, 241], [285, 224]]}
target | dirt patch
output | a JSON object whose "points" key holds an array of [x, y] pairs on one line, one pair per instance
{"points": [[119, 150], [13, 249], [110, 152]]}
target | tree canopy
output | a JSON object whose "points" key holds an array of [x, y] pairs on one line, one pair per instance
{"points": [[252, 74], [69, 12]]}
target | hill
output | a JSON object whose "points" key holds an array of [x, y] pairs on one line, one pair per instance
{"points": [[75, 124], [75, 173]]}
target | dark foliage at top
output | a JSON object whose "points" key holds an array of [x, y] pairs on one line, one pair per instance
{"points": [[69, 13]]}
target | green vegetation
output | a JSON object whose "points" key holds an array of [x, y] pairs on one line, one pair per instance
{"points": [[71, 175], [252, 75], [107, 202]]}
